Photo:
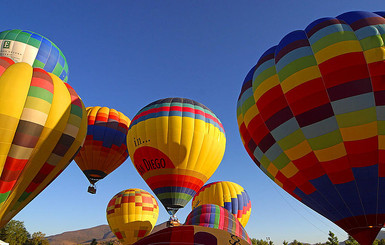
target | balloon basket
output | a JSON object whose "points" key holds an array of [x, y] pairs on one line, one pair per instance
{"points": [[91, 189]]}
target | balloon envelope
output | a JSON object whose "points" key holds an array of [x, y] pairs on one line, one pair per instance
{"points": [[132, 215], [311, 116], [34, 49], [228, 195], [104, 148], [191, 235], [42, 125], [176, 145], [214, 216]]}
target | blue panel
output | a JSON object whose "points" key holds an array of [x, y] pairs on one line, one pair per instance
{"points": [[234, 202], [381, 195], [240, 201], [349, 193], [227, 205], [317, 22], [367, 179], [353, 16], [52, 60], [35, 36], [290, 38], [44, 51]]}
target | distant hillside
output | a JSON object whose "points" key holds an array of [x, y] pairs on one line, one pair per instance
{"points": [[101, 233]]}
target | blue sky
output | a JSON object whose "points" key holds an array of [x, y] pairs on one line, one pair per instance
{"points": [[126, 54]]}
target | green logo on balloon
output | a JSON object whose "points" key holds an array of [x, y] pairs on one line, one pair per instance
{"points": [[7, 44]]}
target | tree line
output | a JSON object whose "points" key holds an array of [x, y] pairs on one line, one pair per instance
{"points": [[332, 240], [15, 233]]}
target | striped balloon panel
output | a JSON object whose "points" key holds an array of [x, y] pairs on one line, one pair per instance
{"points": [[105, 146], [176, 145], [310, 114], [191, 235], [214, 216], [228, 195], [132, 214], [43, 124], [34, 49]]}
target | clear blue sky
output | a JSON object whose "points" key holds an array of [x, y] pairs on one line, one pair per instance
{"points": [[125, 54]]}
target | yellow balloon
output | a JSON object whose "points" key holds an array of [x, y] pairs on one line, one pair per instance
{"points": [[176, 145], [132, 215], [228, 195], [42, 125]]}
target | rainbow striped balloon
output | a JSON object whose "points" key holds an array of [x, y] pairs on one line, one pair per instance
{"points": [[176, 145], [228, 195], [311, 115], [214, 216]]}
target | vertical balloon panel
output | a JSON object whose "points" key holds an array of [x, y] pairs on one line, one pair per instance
{"points": [[43, 125]]}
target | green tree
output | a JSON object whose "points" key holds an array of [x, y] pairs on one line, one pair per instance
{"points": [[285, 242], [94, 242], [351, 241], [38, 238], [332, 239], [14, 233], [254, 241]]}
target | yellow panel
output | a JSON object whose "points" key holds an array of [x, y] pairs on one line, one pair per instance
{"points": [[273, 170], [375, 55], [381, 142], [265, 86], [250, 114], [300, 77], [337, 49], [289, 170], [331, 153], [299, 150], [359, 132]]}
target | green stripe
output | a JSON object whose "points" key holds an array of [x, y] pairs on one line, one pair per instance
{"points": [[76, 110], [326, 140], [371, 42], [11, 35], [357, 118], [295, 66], [23, 37], [174, 195], [271, 71], [37, 63], [381, 127], [332, 39], [292, 140], [281, 161], [34, 42], [41, 93], [75, 120], [4, 196]]}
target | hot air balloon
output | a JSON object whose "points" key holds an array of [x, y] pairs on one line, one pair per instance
{"points": [[311, 116], [228, 195], [132, 215], [176, 145], [34, 49], [214, 216], [42, 125], [105, 146], [191, 235]]}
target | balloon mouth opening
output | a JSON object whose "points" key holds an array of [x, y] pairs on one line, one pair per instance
{"points": [[172, 209]]}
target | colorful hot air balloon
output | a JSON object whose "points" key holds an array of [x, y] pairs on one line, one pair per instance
{"points": [[228, 195], [214, 216], [311, 115], [34, 49], [176, 145], [42, 125], [105, 146], [191, 235], [132, 215]]}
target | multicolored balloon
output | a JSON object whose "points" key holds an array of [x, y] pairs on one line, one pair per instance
{"points": [[105, 147], [34, 49], [176, 145], [214, 216], [132, 215], [191, 235], [228, 195], [311, 116], [42, 124]]}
